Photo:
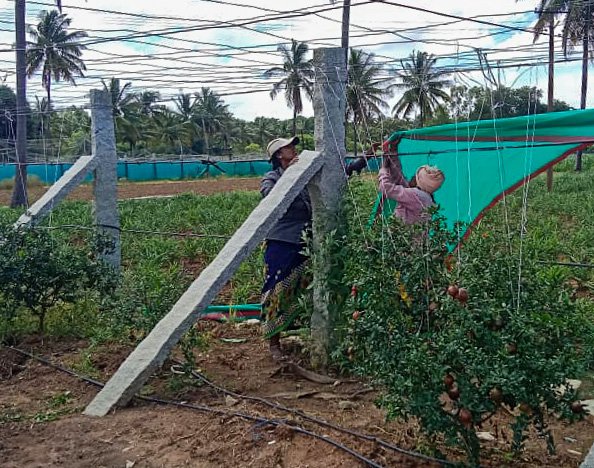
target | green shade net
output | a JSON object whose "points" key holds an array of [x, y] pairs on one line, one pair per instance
{"points": [[483, 160]]}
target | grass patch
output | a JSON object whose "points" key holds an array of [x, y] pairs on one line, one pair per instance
{"points": [[158, 268]]}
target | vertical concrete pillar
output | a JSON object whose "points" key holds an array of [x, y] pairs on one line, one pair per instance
{"points": [[105, 208], [327, 187]]}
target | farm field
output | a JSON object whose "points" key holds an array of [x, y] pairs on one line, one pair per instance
{"points": [[147, 189], [41, 424], [40, 420], [447, 321]]}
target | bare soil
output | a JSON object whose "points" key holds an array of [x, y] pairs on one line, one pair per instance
{"points": [[150, 189], [41, 422]]}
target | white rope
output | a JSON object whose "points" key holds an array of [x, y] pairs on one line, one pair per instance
{"points": [[504, 204], [527, 169], [18, 162], [51, 212]]}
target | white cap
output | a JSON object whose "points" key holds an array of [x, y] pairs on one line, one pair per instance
{"points": [[279, 143]]}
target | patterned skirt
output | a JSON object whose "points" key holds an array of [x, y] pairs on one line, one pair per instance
{"points": [[285, 265]]}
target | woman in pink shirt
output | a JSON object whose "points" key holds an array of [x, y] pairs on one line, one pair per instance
{"points": [[414, 197]]}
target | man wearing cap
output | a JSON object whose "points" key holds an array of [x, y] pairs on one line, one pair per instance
{"points": [[283, 257]]}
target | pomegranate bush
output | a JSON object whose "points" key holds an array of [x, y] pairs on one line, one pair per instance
{"points": [[451, 338]]}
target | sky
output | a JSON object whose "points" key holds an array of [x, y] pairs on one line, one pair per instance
{"points": [[201, 45]]}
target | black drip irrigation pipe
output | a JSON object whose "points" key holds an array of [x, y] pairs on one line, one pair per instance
{"points": [[321, 422], [133, 231], [206, 409]]}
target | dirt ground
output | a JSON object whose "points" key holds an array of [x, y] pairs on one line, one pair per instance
{"points": [[41, 422], [150, 189]]}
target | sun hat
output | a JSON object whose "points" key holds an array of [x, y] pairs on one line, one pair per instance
{"points": [[279, 143], [429, 178]]}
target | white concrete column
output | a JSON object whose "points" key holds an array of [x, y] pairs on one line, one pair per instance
{"points": [[326, 189], [105, 207]]}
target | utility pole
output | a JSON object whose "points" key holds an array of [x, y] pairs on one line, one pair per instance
{"points": [[585, 62], [346, 22], [19, 192]]}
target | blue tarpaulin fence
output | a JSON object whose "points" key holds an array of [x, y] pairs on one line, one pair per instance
{"points": [[48, 173]]}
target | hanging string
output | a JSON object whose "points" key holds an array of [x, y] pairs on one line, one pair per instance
{"points": [[527, 170], [458, 215], [502, 187], [383, 219]]}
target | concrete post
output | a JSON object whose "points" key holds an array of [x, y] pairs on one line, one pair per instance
{"points": [[105, 208], [327, 186], [155, 348], [57, 192]]}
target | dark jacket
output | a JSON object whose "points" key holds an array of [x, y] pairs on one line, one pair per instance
{"points": [[297, 218]]}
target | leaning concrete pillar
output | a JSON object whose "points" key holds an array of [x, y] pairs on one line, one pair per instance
{"points": [[327, 186], [105, 208], [155, 348]]}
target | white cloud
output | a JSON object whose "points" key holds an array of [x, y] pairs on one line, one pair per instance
{"points": [[158, 64]]}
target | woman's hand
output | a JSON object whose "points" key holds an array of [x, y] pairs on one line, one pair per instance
{"points": [[391, 163]]}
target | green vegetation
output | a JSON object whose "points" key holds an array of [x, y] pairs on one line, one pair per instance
{"points": [[157, 268], [452, 337], [494, 343]]}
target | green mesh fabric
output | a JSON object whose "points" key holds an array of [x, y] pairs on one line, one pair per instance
{"points": [[483, 160]]}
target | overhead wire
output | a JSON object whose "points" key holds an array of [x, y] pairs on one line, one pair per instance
{"points": [[236, 81]]}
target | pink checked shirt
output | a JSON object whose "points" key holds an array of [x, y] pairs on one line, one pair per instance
{"points": [[412, 202]]}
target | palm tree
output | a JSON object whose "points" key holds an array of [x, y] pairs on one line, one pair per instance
{"points": [[186, 109], [125, 112], [578, 21], [263, 129], [366, 89], [184, 105], [121, 97], [546, 22], [19, 193], [41, 111], [296, 74], [211, 113], [423, 86], [241, 132], [169, 130], [54, 50], [147, 102]]}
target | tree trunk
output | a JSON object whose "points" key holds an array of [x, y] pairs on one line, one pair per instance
{"points": [[48, 109], [551, 87], [19, 193], [294, 132], [585, 47], [205, 136], [355, 135], [49, 92]]}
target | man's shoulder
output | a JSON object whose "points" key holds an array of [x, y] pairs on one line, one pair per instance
{"points": [[274, 174]]}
